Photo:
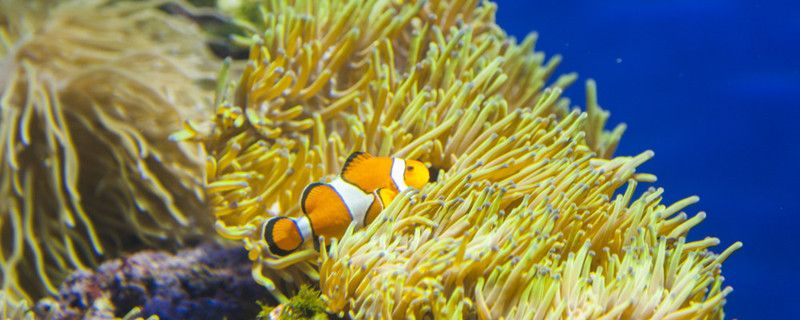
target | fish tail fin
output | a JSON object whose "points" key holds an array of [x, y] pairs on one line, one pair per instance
{"points": [[282, 235]]}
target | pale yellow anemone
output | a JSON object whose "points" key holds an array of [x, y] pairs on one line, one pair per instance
{"points": [[523, 222], [89, 93], [14, 308]]}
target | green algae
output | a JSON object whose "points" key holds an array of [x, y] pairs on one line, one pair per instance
{"points": [[307, 304]]}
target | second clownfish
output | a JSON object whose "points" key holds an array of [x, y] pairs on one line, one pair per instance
{"points": [[365, 186]]}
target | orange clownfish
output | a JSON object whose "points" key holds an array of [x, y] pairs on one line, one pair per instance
{"points": [[365, 186]]}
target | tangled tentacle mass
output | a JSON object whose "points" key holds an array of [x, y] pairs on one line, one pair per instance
{"points": [[524, 221], [89, 93]]}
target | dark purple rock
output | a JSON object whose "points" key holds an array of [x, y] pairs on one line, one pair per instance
{"points": [[205, 282]]}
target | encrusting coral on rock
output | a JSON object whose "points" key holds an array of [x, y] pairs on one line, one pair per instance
{"points": [[89, 94], [205, 282], [523, 221]]}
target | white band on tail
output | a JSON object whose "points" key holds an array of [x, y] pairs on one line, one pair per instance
{"points": [[304, 226]]}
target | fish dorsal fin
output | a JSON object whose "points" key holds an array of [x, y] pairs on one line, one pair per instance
{"points": [[310, 197], [354, 160], [367, 172]]}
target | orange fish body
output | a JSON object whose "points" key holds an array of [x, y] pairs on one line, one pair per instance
{"points": [[365, 186]]}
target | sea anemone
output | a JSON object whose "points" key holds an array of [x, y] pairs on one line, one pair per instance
{"points": [[525, 226], [523, 222], [90, 92], [12, 308]]}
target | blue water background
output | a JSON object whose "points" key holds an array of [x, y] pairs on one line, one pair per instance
{"points": [[713, 87]]}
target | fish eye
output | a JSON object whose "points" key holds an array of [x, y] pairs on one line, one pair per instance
{"points": [[410, 168]]}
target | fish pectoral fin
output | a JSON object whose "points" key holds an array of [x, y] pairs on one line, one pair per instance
{"points": [[386, 196], [382, 198]]}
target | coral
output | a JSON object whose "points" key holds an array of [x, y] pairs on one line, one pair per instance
{"points": [[523, 222], [206, 282], [90, 92]]}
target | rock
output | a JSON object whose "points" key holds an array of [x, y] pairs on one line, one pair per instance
{"points": [[205, 282]]}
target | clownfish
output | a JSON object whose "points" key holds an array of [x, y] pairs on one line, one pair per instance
{"points": [[364, 187]]}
